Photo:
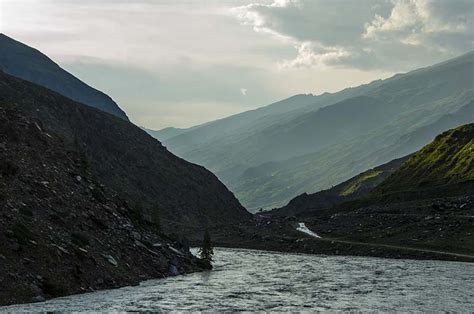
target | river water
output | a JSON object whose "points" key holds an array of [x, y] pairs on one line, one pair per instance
{"points": [[256, 280]]}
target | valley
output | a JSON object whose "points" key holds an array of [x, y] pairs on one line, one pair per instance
{"points": [[90, 201]]}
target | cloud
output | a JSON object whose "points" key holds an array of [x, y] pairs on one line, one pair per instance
{"points": [[379, 34], [181, 62]]}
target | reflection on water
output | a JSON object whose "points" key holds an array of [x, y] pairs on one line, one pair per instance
{"points": [[257, 280]]}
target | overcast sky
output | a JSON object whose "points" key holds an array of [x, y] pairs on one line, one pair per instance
{"points": [[180, 63]]}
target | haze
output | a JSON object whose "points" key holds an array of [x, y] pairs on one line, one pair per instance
{"points": [[181, 63]]}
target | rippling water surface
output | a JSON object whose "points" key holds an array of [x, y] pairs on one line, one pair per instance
{"points": [[257, 280]]}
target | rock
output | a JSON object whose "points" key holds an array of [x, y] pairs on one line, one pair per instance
{"points": [[38, 298], [110, 259], [78, 178], [176, 250], [82, 250], [35, 289], [60, 248], [173, 270], [136, 235]]}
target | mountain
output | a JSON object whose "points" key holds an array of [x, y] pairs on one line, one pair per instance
{"points": [[357, 187], [27, 63], [420, 206], [128, 160], [166, 133], [448, 160], [62, 231], [310, 143]]}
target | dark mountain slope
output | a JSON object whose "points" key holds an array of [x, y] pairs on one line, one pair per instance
{"points": [[128, 160], [61, 231], [30, 64], [166, 133]]}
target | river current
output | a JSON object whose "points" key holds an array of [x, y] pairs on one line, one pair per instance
{"points": [[249, 280]]}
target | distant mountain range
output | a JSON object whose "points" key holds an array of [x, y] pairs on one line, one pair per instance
{"points": [[308, 143], [24, 62]]}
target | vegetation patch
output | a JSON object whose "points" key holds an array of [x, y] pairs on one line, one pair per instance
{"points": [[354, 186], [449, 159]]}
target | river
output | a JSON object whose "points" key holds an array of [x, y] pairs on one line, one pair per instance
{"points": [[256, 280]]}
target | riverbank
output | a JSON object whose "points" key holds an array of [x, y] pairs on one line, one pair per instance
{"points": [[388, 234]]}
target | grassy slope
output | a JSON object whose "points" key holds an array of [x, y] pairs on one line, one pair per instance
{"points": [[448, 159]]}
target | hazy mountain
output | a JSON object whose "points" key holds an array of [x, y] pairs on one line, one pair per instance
{"points": [[128, 160], [357, 187], [166, 133], [27, 63], [314, 144]]}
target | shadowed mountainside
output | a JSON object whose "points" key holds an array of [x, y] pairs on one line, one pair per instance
{"points": [[126, 159], [61, 231]]}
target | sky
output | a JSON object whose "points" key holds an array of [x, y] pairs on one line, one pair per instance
{"points": [[182, 63]]}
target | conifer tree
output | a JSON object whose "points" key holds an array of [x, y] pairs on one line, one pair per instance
{"points": [[206, 251]]}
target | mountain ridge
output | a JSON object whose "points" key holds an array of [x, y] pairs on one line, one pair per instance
{"points": [[269, 161], [30, 64], [128, 160]]}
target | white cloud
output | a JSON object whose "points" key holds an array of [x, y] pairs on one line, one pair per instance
{"points": [[365, 34]]}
